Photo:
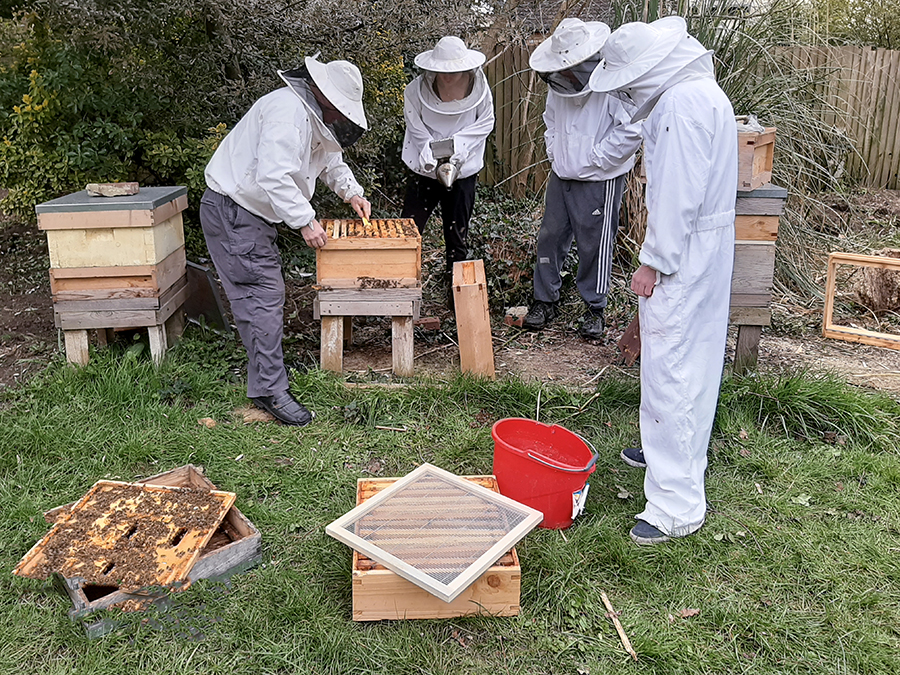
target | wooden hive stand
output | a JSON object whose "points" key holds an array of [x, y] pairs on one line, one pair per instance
{"points": [[117, 262], [370, 268]]}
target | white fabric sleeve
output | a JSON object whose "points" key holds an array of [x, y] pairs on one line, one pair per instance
{"points": [[622, 141], [679, 166], [471, 139], [338, 176], [279, 158], [550, 125], [419, 135]]}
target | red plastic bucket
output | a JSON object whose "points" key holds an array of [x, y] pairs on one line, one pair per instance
{"points": [[542, 466]]}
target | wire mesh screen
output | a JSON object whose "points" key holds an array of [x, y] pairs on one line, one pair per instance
{"points": [[436, 525]]}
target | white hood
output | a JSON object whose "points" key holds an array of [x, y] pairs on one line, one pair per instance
{"points": [[433, 102]]}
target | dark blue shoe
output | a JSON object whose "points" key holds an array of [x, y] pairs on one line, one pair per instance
{"points": [[633, 457], [645, 534]]}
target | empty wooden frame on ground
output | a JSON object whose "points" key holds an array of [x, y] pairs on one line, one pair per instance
{"points": [[848, 333]]}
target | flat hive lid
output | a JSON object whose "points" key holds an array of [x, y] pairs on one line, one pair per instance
{"points": [[148, 199], [435, 529], [129, 535]]}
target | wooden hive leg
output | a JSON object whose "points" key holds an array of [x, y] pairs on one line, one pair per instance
{"points": [[402, 345], [77, 346], [105, 336], [348, 330], [174, 327], [158, 342], [332, 348], [746, 350]]}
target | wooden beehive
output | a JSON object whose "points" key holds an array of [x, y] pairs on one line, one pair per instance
{"points": [[234, 547], [756, 152], [379, 593], [377, 254]]}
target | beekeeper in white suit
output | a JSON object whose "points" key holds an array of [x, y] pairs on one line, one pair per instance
{"points": [[264, 172], [591, 143], [684, 281], [450, 101]]}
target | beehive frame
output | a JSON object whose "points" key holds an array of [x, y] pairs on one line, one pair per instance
{"points": [[493, 546]]}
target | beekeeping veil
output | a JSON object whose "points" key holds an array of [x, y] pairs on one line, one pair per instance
{"points": [[450, 55], [567, 58], [332, 92], [641, 61]]}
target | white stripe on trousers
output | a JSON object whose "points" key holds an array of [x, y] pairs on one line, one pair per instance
{"points": [[604, 257]]}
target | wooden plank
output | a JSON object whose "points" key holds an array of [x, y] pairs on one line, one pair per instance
{"points": [[751, 300], [77, 347], [756, 152], [747, 206], [409, 308], [102, 283], [158, 343], [750, 316], [862, 336], [402, 345], [754, 267], [756, 228], [121, 246], [332, 344], [473, 323], [115, 301], [890, 112]]}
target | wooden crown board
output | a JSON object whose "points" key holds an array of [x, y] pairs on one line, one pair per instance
{"points": [[435, 529], [129, 535]]}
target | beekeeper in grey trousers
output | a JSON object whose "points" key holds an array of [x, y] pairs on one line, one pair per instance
{"points": [[263, 173], [591, 143], [684, 281]]}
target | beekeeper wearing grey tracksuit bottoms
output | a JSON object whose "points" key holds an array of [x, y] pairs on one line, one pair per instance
{"points": [[450, 101], [684, 281], [263, 173], [591, 143]]}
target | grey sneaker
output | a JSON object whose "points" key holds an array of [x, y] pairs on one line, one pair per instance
{"points": [[645, 534], [592, 327], [540, 314], [633, 457]]}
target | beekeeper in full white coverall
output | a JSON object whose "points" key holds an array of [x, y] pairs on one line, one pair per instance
{"points": [[264, 172], [451, 99], [684, 281]]}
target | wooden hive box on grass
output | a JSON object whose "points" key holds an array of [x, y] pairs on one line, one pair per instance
{"points": [[235, 546], [379, 593], [756, 152], [381, 255]]}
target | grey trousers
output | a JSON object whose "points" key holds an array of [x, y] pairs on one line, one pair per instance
{"points": [[243, 248], [588, 212]]}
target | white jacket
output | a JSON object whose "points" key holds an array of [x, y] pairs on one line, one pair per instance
{"points": [[589, 137], [270, 161], [468, 129]]}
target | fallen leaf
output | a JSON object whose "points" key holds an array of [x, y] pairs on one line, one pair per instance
{"points": [[239, 457], [745, 452], [743, 434], [671, 619], [802, 499], [839, 486], [208, 422], [758, 488], [688, 613], [623, 493]]}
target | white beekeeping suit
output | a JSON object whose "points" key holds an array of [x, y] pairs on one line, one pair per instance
{"points": [[690, 145]]}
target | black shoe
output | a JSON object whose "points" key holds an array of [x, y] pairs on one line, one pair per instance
{"points": [[645, 534], [592, 328], [633, 457], [540, 314], [285, 408]]}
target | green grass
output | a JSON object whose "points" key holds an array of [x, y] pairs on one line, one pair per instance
{"points": [[796, 571]]}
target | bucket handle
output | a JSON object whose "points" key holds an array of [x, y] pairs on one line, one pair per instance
{"points": [[541, 460]]}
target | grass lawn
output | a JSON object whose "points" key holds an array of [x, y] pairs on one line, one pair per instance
{"points": [[796, 571]]}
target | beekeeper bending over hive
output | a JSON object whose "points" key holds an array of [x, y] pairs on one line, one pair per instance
{"points": [[264, 172], [449, 112], [684, 281], [591, 144]]}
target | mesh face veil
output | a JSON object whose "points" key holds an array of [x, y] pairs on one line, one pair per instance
{"points": [[341, 129], [572, 81]]}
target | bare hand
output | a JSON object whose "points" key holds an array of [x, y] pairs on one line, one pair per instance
{"points": [[361, 206], [314, 235], [644, 281]]}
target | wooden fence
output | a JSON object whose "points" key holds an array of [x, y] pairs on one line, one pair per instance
{"points": [[860, 88]]}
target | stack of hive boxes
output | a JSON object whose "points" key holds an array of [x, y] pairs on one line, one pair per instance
{"points": [[116, 262], [757, 211]]}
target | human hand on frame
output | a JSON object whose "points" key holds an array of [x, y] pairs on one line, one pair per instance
{"points": [[362, 206], [314, 235]]}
